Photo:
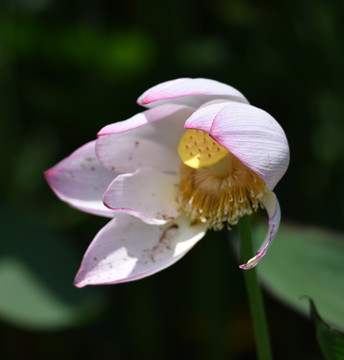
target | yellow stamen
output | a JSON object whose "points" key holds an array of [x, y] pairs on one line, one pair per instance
{"points": [[218, 191]]}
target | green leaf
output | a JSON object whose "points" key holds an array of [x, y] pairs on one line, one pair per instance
{"points": [[330, 339], [305, 261], [37, 266]]}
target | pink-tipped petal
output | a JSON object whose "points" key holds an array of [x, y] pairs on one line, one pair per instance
{"points": [[203, 118], [274, 212], [255, 138], [80, 180], [150, 139], [128, 249], [167, 113], [147, 194], [192, 92]]}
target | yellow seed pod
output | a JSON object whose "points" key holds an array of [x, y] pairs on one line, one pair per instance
{"points": [[197, 149]]}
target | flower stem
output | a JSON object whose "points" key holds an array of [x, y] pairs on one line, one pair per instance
{"points": [[254, 293]]}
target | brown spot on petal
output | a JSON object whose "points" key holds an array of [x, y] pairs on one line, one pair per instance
{"points": [[164, 216], [164, 234]]}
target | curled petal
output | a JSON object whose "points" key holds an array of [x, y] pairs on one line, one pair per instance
{"points": [[274, 212], [80, 180], [147, 194], [250, 134], [203, 118], [192, 92], [128, 249], [149, 138], [255, 138]]}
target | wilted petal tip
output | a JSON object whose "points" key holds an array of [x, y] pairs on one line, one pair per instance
{"points": [[254, 261], [274, 212]]}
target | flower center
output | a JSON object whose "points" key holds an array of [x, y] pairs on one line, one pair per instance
{"points": [[215, 186], [198, 150]]}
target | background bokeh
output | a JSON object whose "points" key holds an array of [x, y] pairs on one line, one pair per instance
{"points": [[67, 68]]}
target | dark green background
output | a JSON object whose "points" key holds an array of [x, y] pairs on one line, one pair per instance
{"points": [[69, 67]]}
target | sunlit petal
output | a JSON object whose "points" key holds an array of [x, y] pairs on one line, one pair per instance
{"points": [[149, 139], [255, 138], [192, 92], [203, 118], [80, 180], [148, 194], [128, 249]]}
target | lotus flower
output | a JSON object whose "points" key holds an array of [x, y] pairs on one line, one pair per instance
{"points": [[199, 158]]}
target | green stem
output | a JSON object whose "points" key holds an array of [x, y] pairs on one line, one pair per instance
{"points": [[254, 293]]}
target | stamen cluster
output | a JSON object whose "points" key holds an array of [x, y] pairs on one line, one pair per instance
{"points": [[220, 195]]}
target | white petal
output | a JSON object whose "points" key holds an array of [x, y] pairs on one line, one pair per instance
{"points": [[274, 212], [161, 113], [80, 180], [192, 92], [128, 249], [149, 138], [203, 118], [147, 194], [255, 138]]}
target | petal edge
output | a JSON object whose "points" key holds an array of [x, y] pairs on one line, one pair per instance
{"points": [[274, 212], [187, 91], [127, 249], [80, 180]]}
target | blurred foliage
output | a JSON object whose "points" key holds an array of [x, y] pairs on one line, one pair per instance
{"points": [[36, 266], [331, 339], [306, 261], [67, 68]]}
